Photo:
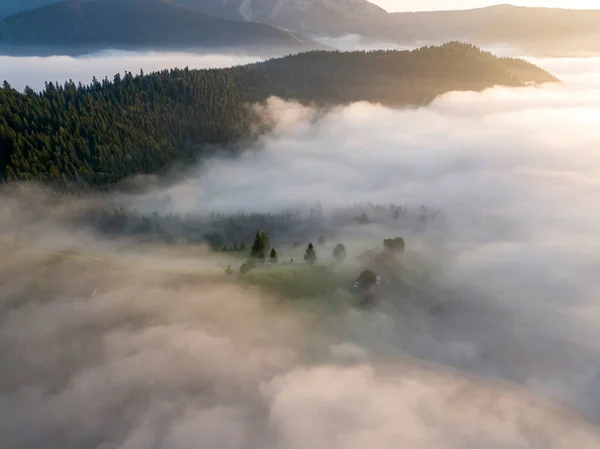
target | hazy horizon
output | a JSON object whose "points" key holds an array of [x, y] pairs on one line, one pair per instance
{"points": [[433, 5]]}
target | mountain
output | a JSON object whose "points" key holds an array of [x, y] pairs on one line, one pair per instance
{"points": [[104, 132], [319, 17], [157, 24], [533, 31], [8, 7], [539, 30]]}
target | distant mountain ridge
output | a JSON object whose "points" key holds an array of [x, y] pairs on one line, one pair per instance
{"points": [[539, 30], [534, 31], [137, 24], [312, 16], [8, 7]]}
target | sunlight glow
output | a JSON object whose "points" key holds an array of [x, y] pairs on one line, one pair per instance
{"points": [[428, 5]]}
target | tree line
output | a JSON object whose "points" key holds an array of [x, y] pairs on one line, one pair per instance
{"points": [[261, 247], [101, 133]]}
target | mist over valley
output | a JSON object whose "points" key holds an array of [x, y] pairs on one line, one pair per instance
{"points": [[181, 250]]}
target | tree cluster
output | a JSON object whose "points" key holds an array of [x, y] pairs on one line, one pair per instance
{"points": [[260, 246], [310, 256], [396, 244], [258, 252], [339, 252]]}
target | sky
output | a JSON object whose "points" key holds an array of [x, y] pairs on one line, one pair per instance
{"points": [[419, 5]]}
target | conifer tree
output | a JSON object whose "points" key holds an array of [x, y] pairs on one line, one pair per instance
{"points": [[311, 255], [339, 252], [260, 246], [363, 219]]}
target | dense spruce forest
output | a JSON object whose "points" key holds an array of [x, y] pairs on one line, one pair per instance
{"points": [[108, 130]]}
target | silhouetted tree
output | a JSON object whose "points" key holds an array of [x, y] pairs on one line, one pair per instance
{"points": [[273, 256], [396, 244], [339, 252], [260, 246], [311, 255]]}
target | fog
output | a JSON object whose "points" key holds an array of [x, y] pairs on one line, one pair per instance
{"points": [[34, 71], [581, 48], [350, 42], [111, 344]]}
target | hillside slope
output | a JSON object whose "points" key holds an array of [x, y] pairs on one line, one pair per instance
{"points": [[9, 7], [320, 17], [138, 24], [109, 130], [534, 31], [538, 31]]}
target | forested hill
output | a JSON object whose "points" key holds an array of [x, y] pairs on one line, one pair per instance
{"points": [[82, 26], [108, 130]]}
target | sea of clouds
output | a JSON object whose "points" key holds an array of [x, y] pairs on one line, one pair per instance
{"points": [[108, 345]]}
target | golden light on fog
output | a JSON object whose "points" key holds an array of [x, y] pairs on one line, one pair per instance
{"points": [[413, 5]]}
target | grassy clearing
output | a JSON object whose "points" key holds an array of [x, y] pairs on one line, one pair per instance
{"points": [[297, 281]]}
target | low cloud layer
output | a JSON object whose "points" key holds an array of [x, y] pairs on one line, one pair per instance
{"points": [[525, 159], [352, 42], [108, 344], [21, 71]]}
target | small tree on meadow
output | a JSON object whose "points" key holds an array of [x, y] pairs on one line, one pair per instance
{"points": [[260, 246], [311, 255], [273, 256], [339, 252]]}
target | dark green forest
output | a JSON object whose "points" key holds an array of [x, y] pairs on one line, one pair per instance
{"points": [[108, 130]]}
